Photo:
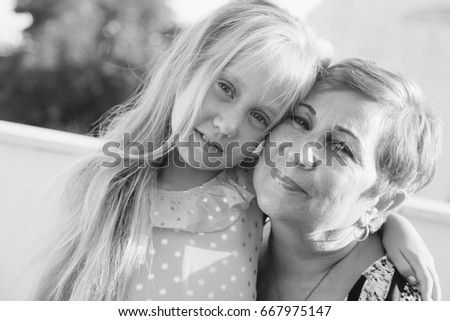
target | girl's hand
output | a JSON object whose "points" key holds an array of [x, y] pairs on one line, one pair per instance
{"points": [[411, 257]]}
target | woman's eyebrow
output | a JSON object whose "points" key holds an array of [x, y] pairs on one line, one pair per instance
{"points": [[347, 131], [311, 109]]}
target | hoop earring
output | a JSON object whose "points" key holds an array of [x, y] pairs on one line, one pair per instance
{"points": [[364, 236]]}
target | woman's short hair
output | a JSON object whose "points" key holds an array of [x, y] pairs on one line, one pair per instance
{"points": [[409, 147]]}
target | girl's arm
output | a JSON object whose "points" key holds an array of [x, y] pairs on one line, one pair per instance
{"points": [[410, 255]]}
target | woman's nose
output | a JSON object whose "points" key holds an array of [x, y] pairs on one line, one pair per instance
{"points": [[303, 155]]}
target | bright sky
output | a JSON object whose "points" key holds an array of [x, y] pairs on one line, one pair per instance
{"points": [[186, 12], [11, 25]]}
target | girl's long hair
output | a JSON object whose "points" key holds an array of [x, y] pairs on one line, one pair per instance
{"points": [[106, 228]]}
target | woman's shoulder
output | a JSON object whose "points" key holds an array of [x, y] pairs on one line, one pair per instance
{"points": [[382, 282]]}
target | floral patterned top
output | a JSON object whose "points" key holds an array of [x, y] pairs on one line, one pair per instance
{"points": [[205, 243], [382, 282]]}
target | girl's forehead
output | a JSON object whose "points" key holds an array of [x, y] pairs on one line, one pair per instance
{"points": [[267, 73], [244, 66]]}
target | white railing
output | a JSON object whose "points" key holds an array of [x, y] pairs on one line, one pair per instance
{"points": [[31, 158]]}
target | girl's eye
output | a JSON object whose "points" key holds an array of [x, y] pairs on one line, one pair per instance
{"points": [[260, 118], [302, 122], [226, 88]]}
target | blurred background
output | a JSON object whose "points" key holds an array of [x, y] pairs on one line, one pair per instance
{"points": [[75, 59], [64, 63]]}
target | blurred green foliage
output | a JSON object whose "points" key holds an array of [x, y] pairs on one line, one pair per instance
{"points": [[80, 58]]}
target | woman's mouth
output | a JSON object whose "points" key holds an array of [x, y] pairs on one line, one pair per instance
{"points": [[285, 181]]}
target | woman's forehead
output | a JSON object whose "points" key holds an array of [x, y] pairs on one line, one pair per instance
{"points": [[346, 109], [344, 104]]}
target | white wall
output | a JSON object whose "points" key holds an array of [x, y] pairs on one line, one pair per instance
{"points": [[432, 219], [31, 158]]}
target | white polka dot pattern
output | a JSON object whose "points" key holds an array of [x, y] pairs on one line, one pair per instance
{"points": [[206, 265]]}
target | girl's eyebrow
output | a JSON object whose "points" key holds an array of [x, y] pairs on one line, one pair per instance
{"points": [[311, 109], [233, 78]]}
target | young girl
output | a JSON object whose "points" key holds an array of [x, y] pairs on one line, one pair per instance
{"points": [[181, 223]]}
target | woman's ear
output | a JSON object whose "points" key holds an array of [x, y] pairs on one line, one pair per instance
{"points": [[387, 205]]}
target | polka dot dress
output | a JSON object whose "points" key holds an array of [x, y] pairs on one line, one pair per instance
{"points": [[205, 244]]}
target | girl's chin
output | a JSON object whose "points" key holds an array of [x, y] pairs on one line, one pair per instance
{"points": [[210, 162], [206, 166]]}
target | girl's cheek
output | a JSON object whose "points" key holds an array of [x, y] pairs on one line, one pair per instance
{"points": [[179, 115]]}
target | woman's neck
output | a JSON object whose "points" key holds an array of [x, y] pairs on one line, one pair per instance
{"points": [[288, 244], [295, 265], [179, 176]]}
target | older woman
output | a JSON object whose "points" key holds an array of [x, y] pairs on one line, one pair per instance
{"points": [[360, 143]]}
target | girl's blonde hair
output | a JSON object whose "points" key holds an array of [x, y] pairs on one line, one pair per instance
{"points": [[106, 233]]}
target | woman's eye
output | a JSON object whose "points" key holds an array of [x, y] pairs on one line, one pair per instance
{"points": [[227, 89], [259, 117], [340, 145], [301, 121]]}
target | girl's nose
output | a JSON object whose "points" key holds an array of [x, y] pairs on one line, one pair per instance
{"points": [[228, 123]]}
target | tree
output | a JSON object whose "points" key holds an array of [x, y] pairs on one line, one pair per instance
{"points": [[81, 58]]}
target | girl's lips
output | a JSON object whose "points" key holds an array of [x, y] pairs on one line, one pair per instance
{"points": [[285, 181], [212, 145]]}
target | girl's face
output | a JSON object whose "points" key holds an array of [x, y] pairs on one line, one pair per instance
{"points": [[235, 114]]}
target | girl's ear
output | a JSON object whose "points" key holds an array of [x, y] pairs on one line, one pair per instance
{"points": [[387, 205]]}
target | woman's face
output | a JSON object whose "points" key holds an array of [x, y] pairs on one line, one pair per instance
{"points": [[315, 179]]}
